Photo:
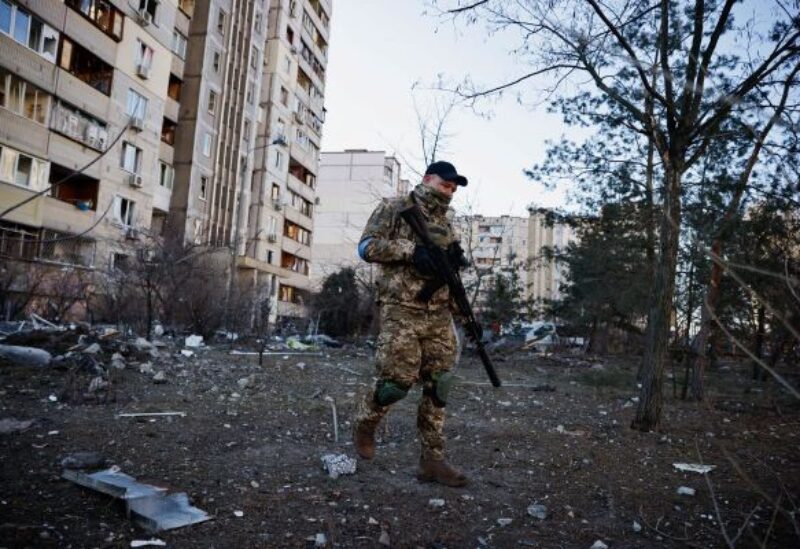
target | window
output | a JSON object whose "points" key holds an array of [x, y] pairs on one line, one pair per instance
{"points": [[150, 7], [136, 105], [287, 64], [186, 6], [276, 192], [166, 175], [212, 102], [23, 98], [102, 14], [251, 87], [254, 58], [221, 21], [80, 190], [168, 129], [284, 96], [131, 158], [179, 44], [23, 170], [203, 187], [123, 209], [296, 233], [28, 30], [215, 61], [174, 87], [278, 159], [144, 59], [259, 22], [246, 130], [207, 144], [85, 66], [76, 124]]}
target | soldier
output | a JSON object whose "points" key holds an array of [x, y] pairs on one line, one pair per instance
{"points": [[417, 343]]}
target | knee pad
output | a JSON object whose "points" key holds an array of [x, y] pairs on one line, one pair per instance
{"points": [[438, 388], [388, 392]]}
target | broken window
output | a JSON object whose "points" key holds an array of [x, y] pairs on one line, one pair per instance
{"points": [[80, 190], [144, 59], [221, 21], [168, 129], [174, 87], [296, 233], [85, 66], [187, 7], [102, 14], [123, 210], [136, 105], [207, 144], [302, 173], [212, 102], [28, 30], [254, 58], [203, 187], [215, 61], [284, 96], [22, 170], [179, 44], [23, 98], [131, 158], [76, 124], [166, 175], [150, 7]]}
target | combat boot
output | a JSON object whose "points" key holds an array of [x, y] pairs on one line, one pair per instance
{"points": [[438, 470], [364, 439]]}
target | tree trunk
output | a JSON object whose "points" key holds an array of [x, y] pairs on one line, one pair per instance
{"points": [[648, 413], [759, 350]]}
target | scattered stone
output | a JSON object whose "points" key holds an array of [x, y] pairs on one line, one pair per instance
{"points": [[238, 514], [435, 502], [384, 539], [92, 349], [686, 491], [97, 384], [10, 425], [338, 464], [193, 341], [83, 460], [187, 353], [694, 467], [146, 368], [52, 398], [141, 344], [25, 356], [372, 522], [637, 527], [254, 484], [153, 542], [504, 521], [537, 511], [320, 540], [599, 545], [243, 382], [160, 377], [117, 361]]}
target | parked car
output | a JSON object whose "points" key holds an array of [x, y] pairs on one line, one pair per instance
{"points": [[541, 336]]}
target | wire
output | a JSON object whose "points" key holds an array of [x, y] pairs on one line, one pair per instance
{"points": [[67, 178]]}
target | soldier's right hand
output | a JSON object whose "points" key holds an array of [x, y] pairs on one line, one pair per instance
{"points": [[422, 261]]}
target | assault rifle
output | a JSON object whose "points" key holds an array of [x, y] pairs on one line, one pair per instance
{"points": [[413, 216]]}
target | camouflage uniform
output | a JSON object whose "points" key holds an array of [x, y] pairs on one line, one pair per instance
{"points": [[417, 342]]}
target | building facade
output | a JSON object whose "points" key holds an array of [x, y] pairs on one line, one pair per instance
{"points": [[199, 118], [350, 185], [546, 232]]}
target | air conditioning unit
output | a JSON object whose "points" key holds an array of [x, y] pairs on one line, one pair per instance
{"points": [[298, 117], [280, 140], [143, 17], [137, 123], [132, 234], [294, 50], [143, 70], [272, 237], [134, 180]]}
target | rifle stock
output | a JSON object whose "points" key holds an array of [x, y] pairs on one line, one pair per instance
{"points": [[413, 216]]}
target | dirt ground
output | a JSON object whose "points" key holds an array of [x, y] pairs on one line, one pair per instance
{"points": [[556, 434]]}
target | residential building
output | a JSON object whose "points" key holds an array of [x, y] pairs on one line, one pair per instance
{"points": [[280, 227], [84, 88], [546, 232], [350, 185]]}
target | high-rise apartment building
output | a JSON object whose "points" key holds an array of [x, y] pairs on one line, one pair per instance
{"points": [[350, 185], [197, 117], [86, 85], [280, 229], [545, 275]]}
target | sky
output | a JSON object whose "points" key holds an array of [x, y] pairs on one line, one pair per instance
{"points": [[380, 48]]}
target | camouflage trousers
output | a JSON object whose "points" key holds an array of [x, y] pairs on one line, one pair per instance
{"points": [[414, 346]]}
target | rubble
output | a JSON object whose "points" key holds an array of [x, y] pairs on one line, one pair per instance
{"points": [[153, 542], [694, 467], [160, 377], [599, 545], [24, 356], [338, 464], [149, 506], [435, 502], [10, 425], [193, 341], [686, 491], [83, 460], [537, 511]]}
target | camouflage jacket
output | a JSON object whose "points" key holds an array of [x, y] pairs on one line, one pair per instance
{"points": [[389, 241]]}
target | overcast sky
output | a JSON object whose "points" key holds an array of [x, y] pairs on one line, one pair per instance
{"points": [[379, 48]]}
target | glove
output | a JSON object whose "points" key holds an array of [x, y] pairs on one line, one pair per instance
{"points": [[456, 257], [422, 261]]}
